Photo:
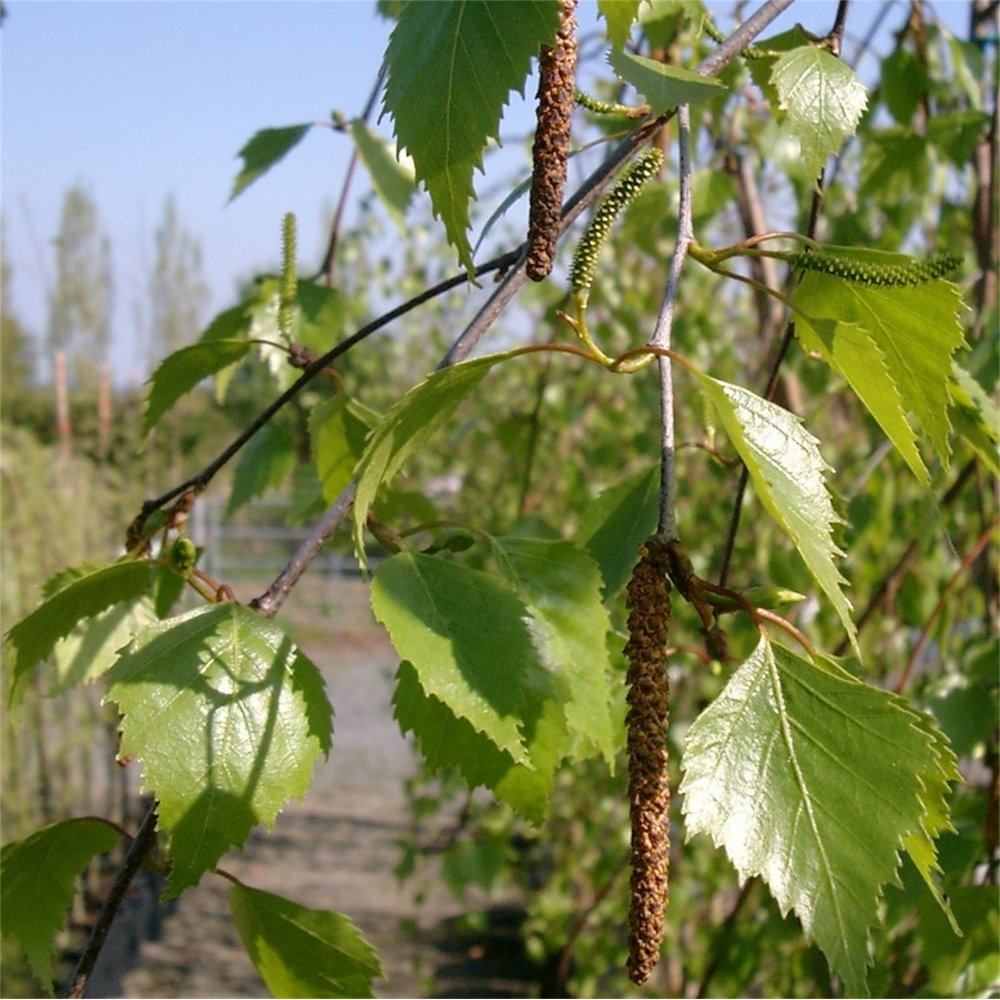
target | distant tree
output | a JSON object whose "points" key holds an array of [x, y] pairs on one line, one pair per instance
{"points": [[80, 304], [17, 356], [177, 293]]}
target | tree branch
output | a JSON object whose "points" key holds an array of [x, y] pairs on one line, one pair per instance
{"points": [[142, 844], [667, 525]]}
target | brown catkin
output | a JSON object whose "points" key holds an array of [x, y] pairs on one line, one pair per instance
{"points": [[648, 601], [556, 97]]}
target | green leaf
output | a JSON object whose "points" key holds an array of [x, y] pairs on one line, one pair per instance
{"points": [[788, 474], [465, 634], [969, 966], [394, 181], [617, 523], [449, 741], [561, 587], [227, 717], [184, 369], [38, 883], [664, 87], [921, 844], [264, 464], [904, 84], [850, 350], [32, 639], [407, 426], [451, 68], [822, 99], [976, 418], [263, 151], [915, 327], [812, 780], [957, 134], [92, 647], [894, 163], [338, 428], [620, 16], [302, 952]]}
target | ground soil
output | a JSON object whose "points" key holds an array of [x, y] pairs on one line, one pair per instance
{"points": [[336, 850]]}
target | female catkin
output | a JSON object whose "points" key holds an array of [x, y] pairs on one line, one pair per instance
{"points": [[581, 272], [648, 601], [556, 96]]}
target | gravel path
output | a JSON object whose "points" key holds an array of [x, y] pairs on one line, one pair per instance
{"points": [[337, 850]]}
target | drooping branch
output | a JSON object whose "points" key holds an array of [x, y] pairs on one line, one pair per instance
{"points": [[270, 601]]}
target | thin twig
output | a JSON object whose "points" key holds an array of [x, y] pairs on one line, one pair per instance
{"points": [[892, 579], [971, 557], [200, 480], [142, 844], [330, 257], [667, 526]]}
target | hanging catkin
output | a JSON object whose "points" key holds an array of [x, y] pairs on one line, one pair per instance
{"points": [[556, 96], [648, 601]]}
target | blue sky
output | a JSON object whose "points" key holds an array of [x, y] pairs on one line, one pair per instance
{"points": [[138, 99], [135, 100]]}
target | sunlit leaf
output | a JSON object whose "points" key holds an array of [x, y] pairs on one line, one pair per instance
{"points": [[227, 718], [789, 476], [465, 634], [302, 952], [976, 418], [917, 330], [850, 350], [38, 883], [446, 97], [92, 647], [561, 588], [813, 781], [32, 639], [823, 101], [619, 15]]}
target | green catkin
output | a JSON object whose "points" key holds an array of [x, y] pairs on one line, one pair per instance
{"points": [[648, 602], [581, 274], [875, 273], [592, 104], [289, 277], [556, 91]]}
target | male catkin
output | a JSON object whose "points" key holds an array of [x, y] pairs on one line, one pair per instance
{"points": [[556, 96], [648, 601]]}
